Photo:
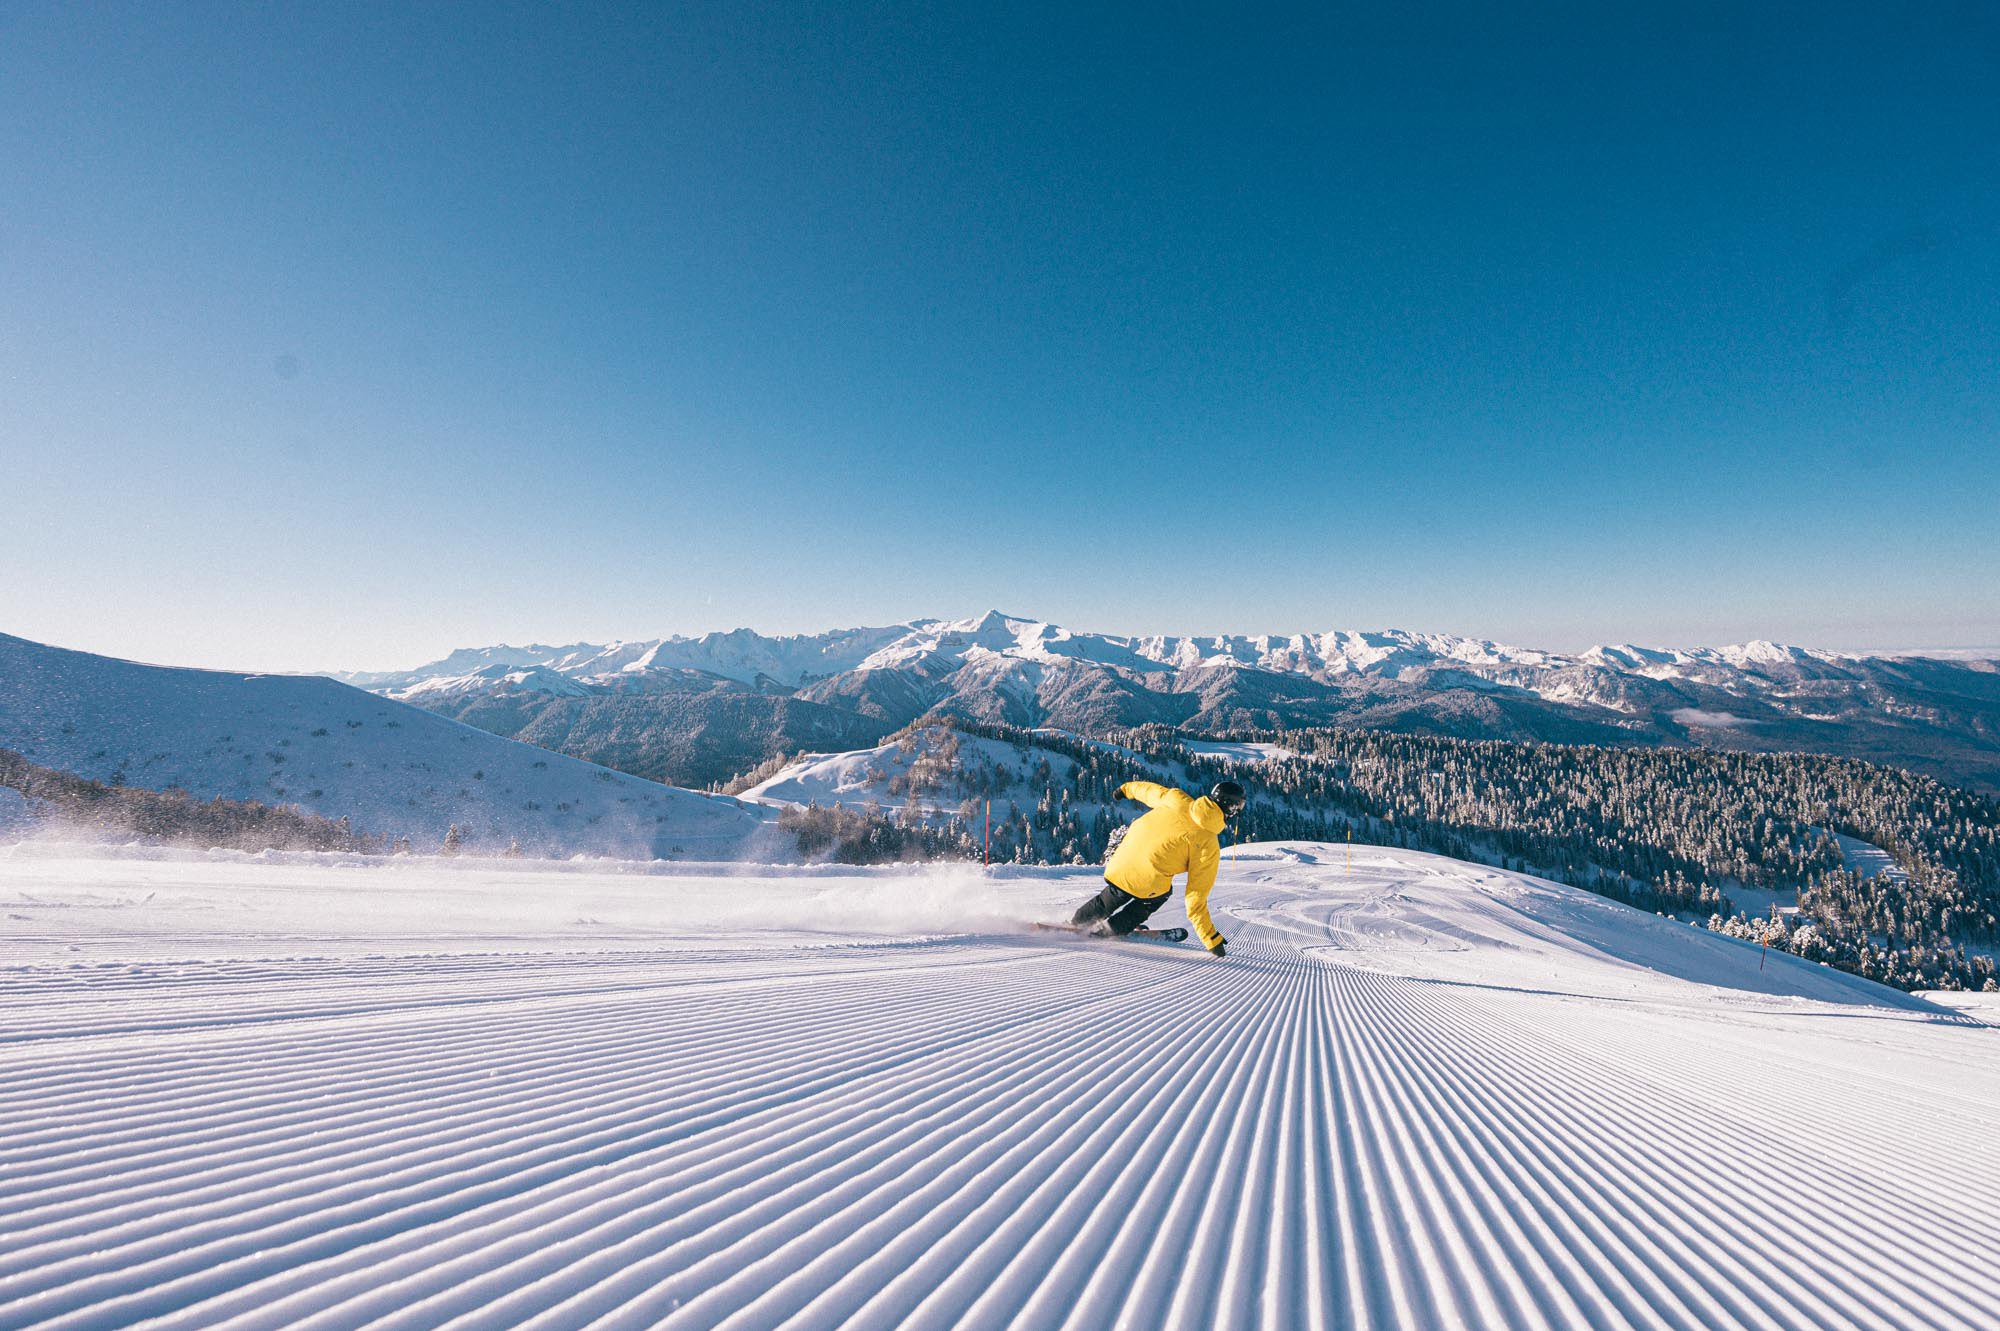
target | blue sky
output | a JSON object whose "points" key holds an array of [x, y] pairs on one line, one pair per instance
{"points": [[343, 335]]}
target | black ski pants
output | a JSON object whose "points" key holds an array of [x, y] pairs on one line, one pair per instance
{"points": [[1119, 909]]}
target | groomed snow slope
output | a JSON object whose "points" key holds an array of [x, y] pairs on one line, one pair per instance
{"points": [[300, 1094]]}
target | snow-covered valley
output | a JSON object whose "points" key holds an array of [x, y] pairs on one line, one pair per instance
{"points": [[296, 1091]]}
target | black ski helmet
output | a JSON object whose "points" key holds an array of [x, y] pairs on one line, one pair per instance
{"points": [[1229, 796]]}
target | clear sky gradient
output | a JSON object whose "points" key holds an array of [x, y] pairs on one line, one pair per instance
{"points": [[341, 335]]}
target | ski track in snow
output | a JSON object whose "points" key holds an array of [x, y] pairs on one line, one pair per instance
{"points": [[1413, 1096]]}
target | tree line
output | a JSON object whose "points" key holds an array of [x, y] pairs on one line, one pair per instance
{"points": [[1669, 830], [173, 817]]}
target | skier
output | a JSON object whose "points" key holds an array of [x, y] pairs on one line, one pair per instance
{"points": [[1177, 835]]}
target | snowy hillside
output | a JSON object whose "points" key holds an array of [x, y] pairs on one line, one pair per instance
{"points": [[19, 815], [394, 770], [1232, 752], [925, 772], [1418, 1093]]}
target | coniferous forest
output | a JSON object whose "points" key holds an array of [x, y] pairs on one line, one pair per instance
{"points": [[1759, 846], [1699, 834]]}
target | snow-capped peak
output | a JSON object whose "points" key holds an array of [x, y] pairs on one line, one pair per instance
{"points": [[1630, 656], [1763, 652], [996, 645]]}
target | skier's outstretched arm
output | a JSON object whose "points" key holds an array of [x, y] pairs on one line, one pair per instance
{"points": [[1201, 877], [1146, 792]]}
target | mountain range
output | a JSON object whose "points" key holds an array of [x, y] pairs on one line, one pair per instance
{"points": [[700, 710]]}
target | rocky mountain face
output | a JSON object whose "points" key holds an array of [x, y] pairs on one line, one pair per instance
{"points": [[699, 710]]}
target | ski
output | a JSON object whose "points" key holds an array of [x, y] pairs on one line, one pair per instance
{"points": [[1142, 934]]}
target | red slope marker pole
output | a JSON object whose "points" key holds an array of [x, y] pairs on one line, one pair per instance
{"points": [[986, 858]]}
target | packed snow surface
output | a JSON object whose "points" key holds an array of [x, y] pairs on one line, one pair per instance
{"points": [[308, 1092], [1866, 858], [1238, 752]]}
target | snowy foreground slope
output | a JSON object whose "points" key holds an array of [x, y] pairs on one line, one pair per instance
{"points": [[258, 1093]]}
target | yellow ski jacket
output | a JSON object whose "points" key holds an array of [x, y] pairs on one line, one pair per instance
{"points": [[1176, 835]]}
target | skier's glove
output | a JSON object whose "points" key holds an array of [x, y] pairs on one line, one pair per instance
{"points": [[1218, 948]]}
